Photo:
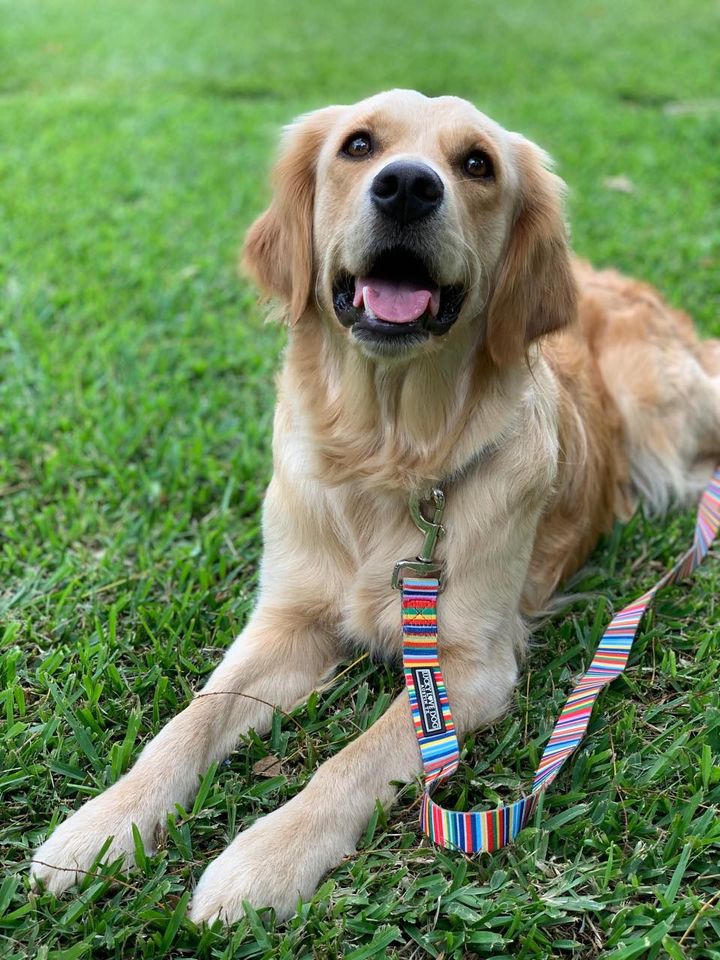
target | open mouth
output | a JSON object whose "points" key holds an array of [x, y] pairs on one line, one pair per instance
{"points": [[397, 303]]}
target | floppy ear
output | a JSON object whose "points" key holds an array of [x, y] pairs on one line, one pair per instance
{"points": [[278, 251], [535, 292]]}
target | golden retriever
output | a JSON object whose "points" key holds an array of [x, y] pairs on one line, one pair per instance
{"points": [[439, 333]]}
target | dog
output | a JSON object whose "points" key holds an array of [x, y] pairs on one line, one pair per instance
{"points": [[439, 332]]}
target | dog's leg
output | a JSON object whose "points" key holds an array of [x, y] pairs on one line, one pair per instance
{"points": [[283, 856], [277, 660]]}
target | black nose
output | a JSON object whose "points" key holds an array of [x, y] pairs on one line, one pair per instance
{"points": [[407, 191]]}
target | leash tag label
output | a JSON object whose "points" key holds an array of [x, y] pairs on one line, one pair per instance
{"points": [[428, 698]]}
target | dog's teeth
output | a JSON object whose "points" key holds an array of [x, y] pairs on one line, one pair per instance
{"points": [[435, 303], [359, 296]]}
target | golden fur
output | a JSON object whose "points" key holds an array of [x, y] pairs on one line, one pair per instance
{"points": [[557, 397]]}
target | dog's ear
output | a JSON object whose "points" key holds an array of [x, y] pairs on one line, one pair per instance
{"points": [[278, 251], [535, 292]]}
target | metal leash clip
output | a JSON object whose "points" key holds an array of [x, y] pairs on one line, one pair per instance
{"points": [[423, 565]]}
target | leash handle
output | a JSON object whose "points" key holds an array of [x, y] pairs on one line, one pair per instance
{"points": [[489, 830]]}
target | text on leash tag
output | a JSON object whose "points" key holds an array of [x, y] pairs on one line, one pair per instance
{"points": [[428, 699]]}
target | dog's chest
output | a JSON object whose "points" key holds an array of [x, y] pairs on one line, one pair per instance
{"points": [[370, 609], [371, 617]]}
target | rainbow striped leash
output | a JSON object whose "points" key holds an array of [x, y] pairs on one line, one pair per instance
{"points": [[488, 830]]}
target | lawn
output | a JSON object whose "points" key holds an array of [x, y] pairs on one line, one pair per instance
{"points": [[136, 397]]}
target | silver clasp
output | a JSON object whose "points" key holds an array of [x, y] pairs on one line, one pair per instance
{"points": [[423, 565]]}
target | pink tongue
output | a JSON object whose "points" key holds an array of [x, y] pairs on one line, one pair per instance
{"points": [[392, 302]]}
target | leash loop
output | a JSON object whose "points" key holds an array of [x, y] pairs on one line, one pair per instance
{"points": [[489, 830]]}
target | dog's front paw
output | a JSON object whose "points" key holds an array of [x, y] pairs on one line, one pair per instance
{"points": [[70, 852], [278, 861]]}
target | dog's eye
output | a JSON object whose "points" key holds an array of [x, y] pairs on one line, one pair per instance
{"points": [[358, 145], [478, 164]]}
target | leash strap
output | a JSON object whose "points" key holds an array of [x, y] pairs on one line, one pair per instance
{"points": [[488, 830]]}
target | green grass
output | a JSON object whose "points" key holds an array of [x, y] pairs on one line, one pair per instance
{"points": [[136, 396]]}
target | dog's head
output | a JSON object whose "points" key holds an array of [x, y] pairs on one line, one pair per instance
{"points": [[404, 218]]}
